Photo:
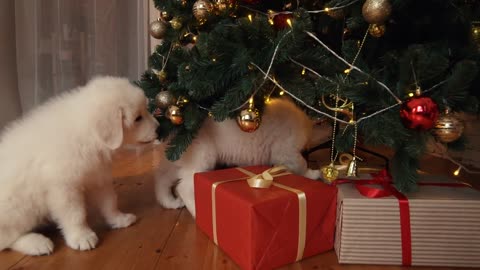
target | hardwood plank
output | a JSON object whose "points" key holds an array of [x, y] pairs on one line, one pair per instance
{"points": [[189, 248], [137, 247], [9, 259]]}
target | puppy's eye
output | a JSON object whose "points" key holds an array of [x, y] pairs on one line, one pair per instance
{"points": [[139, 118]]}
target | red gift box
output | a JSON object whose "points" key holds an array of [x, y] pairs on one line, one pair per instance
{"points": [[264, 228]]}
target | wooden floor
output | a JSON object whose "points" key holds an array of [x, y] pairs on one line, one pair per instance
{"points": [[161, 239]]}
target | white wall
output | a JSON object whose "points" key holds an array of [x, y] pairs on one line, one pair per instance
{"points": [[9, 98]]}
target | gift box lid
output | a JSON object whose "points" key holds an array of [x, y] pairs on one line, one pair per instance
{"points": [[433, 194]]}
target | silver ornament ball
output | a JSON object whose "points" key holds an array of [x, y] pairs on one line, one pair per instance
{"points": [[164, 99], [158, 29], [376, 11]]}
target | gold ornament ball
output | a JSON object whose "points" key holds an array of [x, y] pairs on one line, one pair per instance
{"points": [[183, 3], [377, 30], [158, 29], [249, 120], [175, 115], [223, 5], [164, 99], [376, 11], [165, 15], [448, 128], [336, 14], [202, 9], [176, 23], [162, 75]]}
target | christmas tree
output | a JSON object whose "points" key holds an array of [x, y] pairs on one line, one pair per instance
{"points": [[384, 72]]}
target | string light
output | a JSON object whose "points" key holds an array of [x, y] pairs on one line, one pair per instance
{"points": [[411, 94], [250, 18], [346, 71], [457, 171], [303, 71], [289, 22], [281, 93]]}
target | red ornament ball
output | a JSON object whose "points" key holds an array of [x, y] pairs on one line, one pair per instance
{"points": [[419, 113], [280, 21]]}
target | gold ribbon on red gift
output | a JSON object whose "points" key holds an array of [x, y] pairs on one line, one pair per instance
{"points": [[265, 180], [384, 179]]}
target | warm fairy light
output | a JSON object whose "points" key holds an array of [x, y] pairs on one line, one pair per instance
{"points": [[270, 21], [214, 59], [457, 171], [281, 93], [195, 38], [267, 100], [289, 22], [326, 9], [346, 71], [250, 18], [250, 101], [303, 71], [411, 94]]}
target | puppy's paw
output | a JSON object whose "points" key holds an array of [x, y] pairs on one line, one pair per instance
{"points": [[172, 203], [122, 220], [313, 174], [33, 244], [82, 240]]}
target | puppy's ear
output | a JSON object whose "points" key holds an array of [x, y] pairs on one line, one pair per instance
{"points": [[110, 128]]}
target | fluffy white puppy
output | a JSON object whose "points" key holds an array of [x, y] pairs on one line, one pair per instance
{"points": [[284, 132], [59, 156]]}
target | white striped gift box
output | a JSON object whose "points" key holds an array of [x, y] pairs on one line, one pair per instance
{"points": [[445, 226]]}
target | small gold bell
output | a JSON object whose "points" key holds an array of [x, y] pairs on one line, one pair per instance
{"points": [[329, 173], [352, 167]]}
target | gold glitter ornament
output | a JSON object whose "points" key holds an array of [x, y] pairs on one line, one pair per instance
{"points": [[158, 28], [376, 30], [176, 23], [376, 11], [329, 173], [202, 9], [249, 119], [222, 6], [448, 128]]}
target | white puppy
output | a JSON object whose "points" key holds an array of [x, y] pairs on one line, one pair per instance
{"points": [[284, 132], [59, 155]]}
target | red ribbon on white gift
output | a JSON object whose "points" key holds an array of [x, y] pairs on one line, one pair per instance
{"points": [[384, 179]]}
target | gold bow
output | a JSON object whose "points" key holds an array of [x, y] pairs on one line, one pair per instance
{"points": [[265, 179]]}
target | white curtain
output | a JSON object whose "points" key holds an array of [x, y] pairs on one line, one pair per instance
{"points": [[61, 44]]}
